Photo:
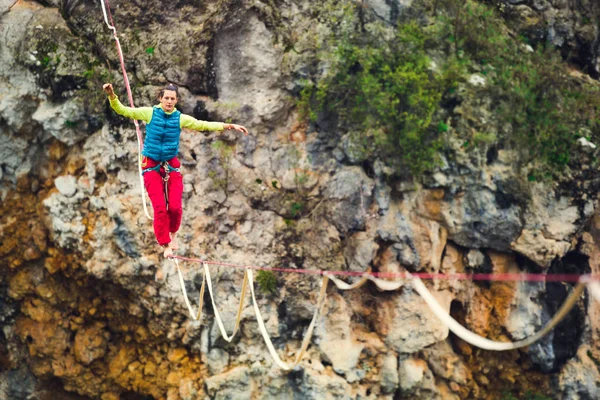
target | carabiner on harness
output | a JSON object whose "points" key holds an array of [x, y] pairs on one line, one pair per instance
{"points": [[168, 169]]}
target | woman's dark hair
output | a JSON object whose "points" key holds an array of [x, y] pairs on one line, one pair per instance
{"points": [[170, 86]]}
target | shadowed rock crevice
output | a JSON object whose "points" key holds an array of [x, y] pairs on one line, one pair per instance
{"points": [[566, 337]]}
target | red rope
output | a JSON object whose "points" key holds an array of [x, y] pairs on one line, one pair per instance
{"points": [[422, 275], [108, 12], [124, 71]]}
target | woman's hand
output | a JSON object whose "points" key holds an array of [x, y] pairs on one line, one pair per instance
{"points": [[237, 128], [107, 87]]}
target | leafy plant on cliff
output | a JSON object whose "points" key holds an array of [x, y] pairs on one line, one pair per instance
{"points": [[543, 109], [383, 90], [386, 90], [267, 282], [528, 396]]}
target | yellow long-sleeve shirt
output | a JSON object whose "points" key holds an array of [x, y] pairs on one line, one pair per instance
{"points": [[145, 114]]}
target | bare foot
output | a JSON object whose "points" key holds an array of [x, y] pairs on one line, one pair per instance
{"points": [[168, 251], [174, 244]]}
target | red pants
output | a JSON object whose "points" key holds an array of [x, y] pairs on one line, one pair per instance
{"points": [[165, 220]]}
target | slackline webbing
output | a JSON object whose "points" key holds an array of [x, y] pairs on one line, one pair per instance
{"points": [[409, 279]]}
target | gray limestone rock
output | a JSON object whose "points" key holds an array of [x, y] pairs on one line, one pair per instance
{"points": [[350, 195], [66, 185], [17, 384], [579, 378], [233, 384], [389, 373], [359, 251], [475, 258], [232, 63], [336, 339], [311, 384], [56, 119], [407, 323], [66, 220], [389, 10], [416, 379], [475, 220], [217, 360], [248, 76]]}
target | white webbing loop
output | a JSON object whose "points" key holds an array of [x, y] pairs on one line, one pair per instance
{"points": [[195, 316], [106, 18], [345, 286], [307, 336], [462, 332], [217, 315], [487, 344], [387, 285], [380, 283]]}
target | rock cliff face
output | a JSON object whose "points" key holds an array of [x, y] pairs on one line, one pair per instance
{"points": [[90, 309]]}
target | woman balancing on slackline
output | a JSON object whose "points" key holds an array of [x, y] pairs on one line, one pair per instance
{"points": [[163, 127]]}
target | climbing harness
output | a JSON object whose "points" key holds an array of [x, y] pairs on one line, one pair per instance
{"points": [[167, 168], [107, 16]]}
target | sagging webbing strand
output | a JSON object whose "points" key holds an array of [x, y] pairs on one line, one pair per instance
{"points": [[195, 316], [308, 334], [249, 281], [111, 26], [405, 279], [216, 310]]}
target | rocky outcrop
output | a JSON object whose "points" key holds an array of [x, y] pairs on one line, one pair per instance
{"points": [[569, 26], [90, 309]]}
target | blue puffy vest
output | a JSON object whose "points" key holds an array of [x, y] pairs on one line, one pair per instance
{"points": [[162, 135]]}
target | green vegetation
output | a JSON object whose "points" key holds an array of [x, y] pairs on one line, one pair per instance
{"points": [[528, 396], [290, 223], [45, 61], [224, 154], [544, 109], [389, 89], [267, 282], [382, 89], [296, 208]]}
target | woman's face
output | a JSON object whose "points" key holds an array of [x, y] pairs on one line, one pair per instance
{"points": [[168, 100]]}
